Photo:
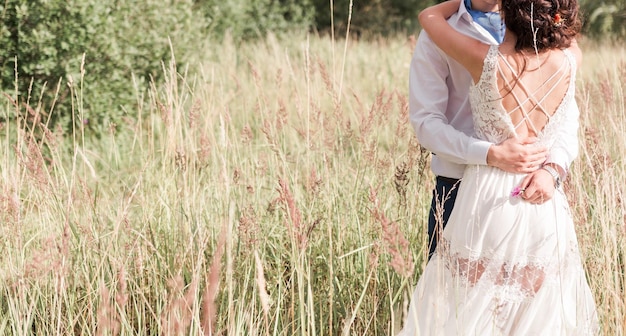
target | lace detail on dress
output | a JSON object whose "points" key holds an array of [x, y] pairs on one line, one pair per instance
{"points": [[509, 284], [491, 122]]}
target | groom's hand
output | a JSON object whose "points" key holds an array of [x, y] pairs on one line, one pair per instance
{"points": [[515, 156]]}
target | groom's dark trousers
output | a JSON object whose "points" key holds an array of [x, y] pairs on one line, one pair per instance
{"points": [[444, 196]]}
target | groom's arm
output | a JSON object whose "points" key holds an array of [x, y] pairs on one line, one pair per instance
{"points": [[428, 102]]}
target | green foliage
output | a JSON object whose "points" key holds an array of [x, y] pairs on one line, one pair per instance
{"points": [[369, 17], [248, 19], [604, 18], [110, 50], [50, 39]]}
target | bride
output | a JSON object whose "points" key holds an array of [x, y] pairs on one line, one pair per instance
{"points": [[505, 266]]}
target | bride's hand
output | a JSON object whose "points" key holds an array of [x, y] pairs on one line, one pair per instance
{"points": [[538, 187]]}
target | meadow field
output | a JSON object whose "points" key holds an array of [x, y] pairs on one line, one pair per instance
{"points": [[270, 188]]}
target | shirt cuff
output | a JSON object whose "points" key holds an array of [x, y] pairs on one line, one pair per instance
{"points": [[477, 152]]}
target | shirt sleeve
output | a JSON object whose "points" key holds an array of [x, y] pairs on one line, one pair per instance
{"points": [[428, 98], [565, 148]]}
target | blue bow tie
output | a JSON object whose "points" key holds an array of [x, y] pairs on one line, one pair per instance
{"points": [[491, 21]]}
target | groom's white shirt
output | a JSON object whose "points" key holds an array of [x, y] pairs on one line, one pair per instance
{"points": [[440, 109]]}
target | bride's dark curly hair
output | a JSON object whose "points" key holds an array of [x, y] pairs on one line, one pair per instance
{"points": [[555, 23]]}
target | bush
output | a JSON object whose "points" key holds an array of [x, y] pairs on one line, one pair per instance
{"points": [[606, 18], [370, 17], [252, 19], [117, 39]]}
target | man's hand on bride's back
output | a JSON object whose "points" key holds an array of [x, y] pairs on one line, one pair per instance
{"points": [[517, 156]]}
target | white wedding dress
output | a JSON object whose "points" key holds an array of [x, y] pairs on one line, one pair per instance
{"points": [[505, 266]]}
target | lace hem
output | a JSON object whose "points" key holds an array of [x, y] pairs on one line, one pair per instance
{"points": [[507, 280]]}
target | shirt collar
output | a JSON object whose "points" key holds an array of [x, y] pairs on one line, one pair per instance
{"points": [[491, 21]]}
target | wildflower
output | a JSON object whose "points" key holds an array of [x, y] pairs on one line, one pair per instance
{"points": [[517, 192]]}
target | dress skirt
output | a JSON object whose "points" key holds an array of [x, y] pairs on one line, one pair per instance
{"points": [[503, 267]]}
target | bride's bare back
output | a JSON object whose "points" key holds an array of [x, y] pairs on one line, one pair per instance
{"points": [[533, 87]]}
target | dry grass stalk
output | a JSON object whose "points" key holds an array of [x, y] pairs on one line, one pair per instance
{"points": [[395, 243], [63, 249], [178, 314], [106, 320], [172, 321], [246, 134], [248, 227], [263, 295], [51, 259], [9, 205], [313, 183], [180, 159], [194, 112], [209, 310], [43, 261], [294, 225], [121, 297], [269, 136], [205, 148], [418, 159], [281, 116], [189, 299], [403, 117], [34, 163], [401, 181], [368, 119]]}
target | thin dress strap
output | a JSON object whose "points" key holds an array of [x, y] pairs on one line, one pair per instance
{"points": [[537, 104]]}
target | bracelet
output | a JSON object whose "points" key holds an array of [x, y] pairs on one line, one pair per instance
{"points": [[555, 175]]}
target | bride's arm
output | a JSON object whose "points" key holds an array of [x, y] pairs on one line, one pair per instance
{"points": [[468, 51]]}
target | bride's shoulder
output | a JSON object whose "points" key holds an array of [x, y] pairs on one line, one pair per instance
{"points": [[576, 52]]}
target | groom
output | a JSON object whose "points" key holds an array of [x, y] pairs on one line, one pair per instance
{"points": [[440, 114]]}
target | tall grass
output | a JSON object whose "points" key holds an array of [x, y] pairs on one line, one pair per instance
{"points": [[596, 191], [275, 189]]}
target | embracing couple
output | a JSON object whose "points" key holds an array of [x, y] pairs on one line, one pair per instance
{"points": [[492, 87]]}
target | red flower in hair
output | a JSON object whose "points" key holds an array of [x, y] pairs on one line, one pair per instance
{"points": [[557, 20]]}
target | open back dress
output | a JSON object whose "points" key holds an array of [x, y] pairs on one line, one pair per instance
{"points": [[505, 266]]}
